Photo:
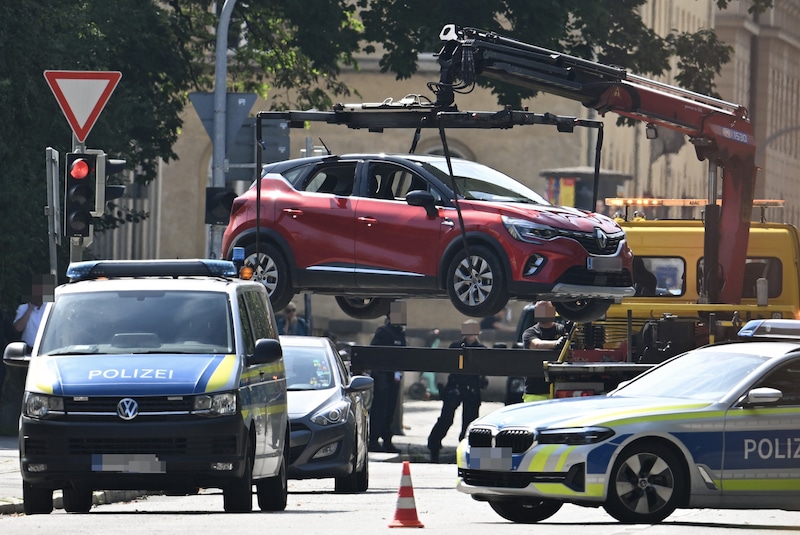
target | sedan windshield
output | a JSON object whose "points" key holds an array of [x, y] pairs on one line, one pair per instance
{"points": [[139, 322], [702, 375], [482, 183], [307, 368]]}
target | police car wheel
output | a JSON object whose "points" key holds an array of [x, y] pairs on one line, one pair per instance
{"points": [[77, 501], [646, 484], [238, 496], [36, 501], [525, 510], [273, 492]]}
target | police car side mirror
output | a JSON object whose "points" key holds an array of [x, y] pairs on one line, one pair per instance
{"points": [[763, 396], [17, 354], [267, 350]]}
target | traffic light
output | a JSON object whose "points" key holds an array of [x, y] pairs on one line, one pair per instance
{"points": [[105, 191], [79, 193]]}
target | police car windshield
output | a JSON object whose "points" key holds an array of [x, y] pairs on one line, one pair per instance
{"points": [[173, 322], [701, 375]]}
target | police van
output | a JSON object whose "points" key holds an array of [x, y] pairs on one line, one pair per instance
{"points": [[157, 376]]}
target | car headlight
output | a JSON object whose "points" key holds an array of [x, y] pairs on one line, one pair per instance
{"points": [[574, 435], [41, 405], [223, 404], [524, 230], [335, 413]]}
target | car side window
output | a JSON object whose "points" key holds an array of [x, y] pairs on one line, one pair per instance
{"points": [[392, 182], [259, 319], [786, 378], [247, 332], [336, 180]]}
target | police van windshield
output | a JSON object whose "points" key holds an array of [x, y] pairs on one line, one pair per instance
{"points": [[139, 322]]}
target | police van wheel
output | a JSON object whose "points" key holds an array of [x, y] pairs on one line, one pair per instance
{"points": [[645, 485], [36, 501], [77, 500], [238, 496], [273, 492], [525, 510]]}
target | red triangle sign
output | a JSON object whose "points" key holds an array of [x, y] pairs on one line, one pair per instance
{"points": [[82, 95]]}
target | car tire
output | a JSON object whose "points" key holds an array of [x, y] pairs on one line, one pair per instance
{"points": [[77, 500], [646, 484], [238, 496], [582, 310], [271, 269], [366, 308], [36, 501], [477, 286], [273, 491], [525, 510], [356, 480]]}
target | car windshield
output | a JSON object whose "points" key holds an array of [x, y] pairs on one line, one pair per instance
{"points": [[701, 375], [307, 368], [139, 322], [482, 183]]}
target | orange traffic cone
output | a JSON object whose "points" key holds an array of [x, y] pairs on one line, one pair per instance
{"points": [[405, 515]]}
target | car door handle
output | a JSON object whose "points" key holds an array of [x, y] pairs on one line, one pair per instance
{"points": [[368, 220], [447, 222], [292, 212]]}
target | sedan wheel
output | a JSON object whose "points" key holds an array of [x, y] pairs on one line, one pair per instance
{"points": [[476, 283], [582, 310], [271, 269], [525, 510], [646, 483], [364, 308]]}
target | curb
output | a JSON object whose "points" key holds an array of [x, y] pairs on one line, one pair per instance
{"points": [[10, 506]]}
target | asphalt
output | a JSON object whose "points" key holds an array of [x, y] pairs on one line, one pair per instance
{"points": [[418, 419]]}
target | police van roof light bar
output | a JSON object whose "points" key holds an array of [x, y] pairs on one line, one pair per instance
{"points": [[96, 269]]}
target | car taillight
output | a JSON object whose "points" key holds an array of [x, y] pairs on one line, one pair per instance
{"points": [[574, 393]]}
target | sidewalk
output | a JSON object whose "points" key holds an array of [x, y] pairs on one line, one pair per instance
{"points": [[418, 419]]}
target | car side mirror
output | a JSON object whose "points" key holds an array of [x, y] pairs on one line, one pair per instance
{"points": [[17, 354], [763, 396], [267, 350], [359, 383], [423, 198]]}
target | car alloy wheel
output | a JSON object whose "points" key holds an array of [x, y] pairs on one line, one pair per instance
{"points": [[476, 283], [271, 269]]}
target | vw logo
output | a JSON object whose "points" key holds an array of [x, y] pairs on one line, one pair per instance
{"points": [[601, 238], [127, 409]]}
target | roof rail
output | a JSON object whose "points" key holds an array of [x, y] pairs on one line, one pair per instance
{"points": [[96, 269]]}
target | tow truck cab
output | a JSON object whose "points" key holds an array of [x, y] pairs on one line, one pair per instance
{"points": [[154, 375]]}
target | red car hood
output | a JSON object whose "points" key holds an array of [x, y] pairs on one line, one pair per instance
{"points": [[562, 217]]}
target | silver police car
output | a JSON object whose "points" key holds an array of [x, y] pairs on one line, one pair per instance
{"points": [[717, 427]]}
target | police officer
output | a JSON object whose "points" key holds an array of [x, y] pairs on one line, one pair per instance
{"points": [[544, 334], [459, 389], [386, 387]]}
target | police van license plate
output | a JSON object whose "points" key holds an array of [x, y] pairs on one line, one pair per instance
{"points": [[142, 463], [604, 263]]}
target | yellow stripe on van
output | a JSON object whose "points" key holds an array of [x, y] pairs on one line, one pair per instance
{"points": [[222, 374]]}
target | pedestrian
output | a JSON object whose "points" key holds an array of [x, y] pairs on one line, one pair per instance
{"points": [[7, 335], [29, 314], [461, 389], [546, 333], [386, 388], [291, 323]]}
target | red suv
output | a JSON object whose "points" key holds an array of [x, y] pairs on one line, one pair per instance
{"points": [[370, 228]]}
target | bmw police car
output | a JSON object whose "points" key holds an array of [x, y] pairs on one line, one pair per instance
{"points": [[717, 427], [154, 375]]}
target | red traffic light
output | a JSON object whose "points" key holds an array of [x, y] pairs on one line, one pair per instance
{"points": [[80, 169]]}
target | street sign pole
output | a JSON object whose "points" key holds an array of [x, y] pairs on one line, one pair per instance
{"points": [[53, 209]]}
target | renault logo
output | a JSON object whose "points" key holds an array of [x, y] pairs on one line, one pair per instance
{"points": [[127, 409], [601, 238]]}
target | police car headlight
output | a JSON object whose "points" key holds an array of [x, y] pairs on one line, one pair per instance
{"points": [[332, 414], [41, 405], [216, 405], [524, 230], [574, 435]]}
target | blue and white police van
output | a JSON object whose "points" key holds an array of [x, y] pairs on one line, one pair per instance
{"points": [[155, 376]]}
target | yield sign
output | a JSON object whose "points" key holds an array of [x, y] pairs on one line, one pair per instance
{"points": [[82, 95]]}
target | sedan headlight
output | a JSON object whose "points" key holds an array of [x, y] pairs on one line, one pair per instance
{"points": [[223, 404], [574, 435], [335, 413], [524, 230], [41, 405]]}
